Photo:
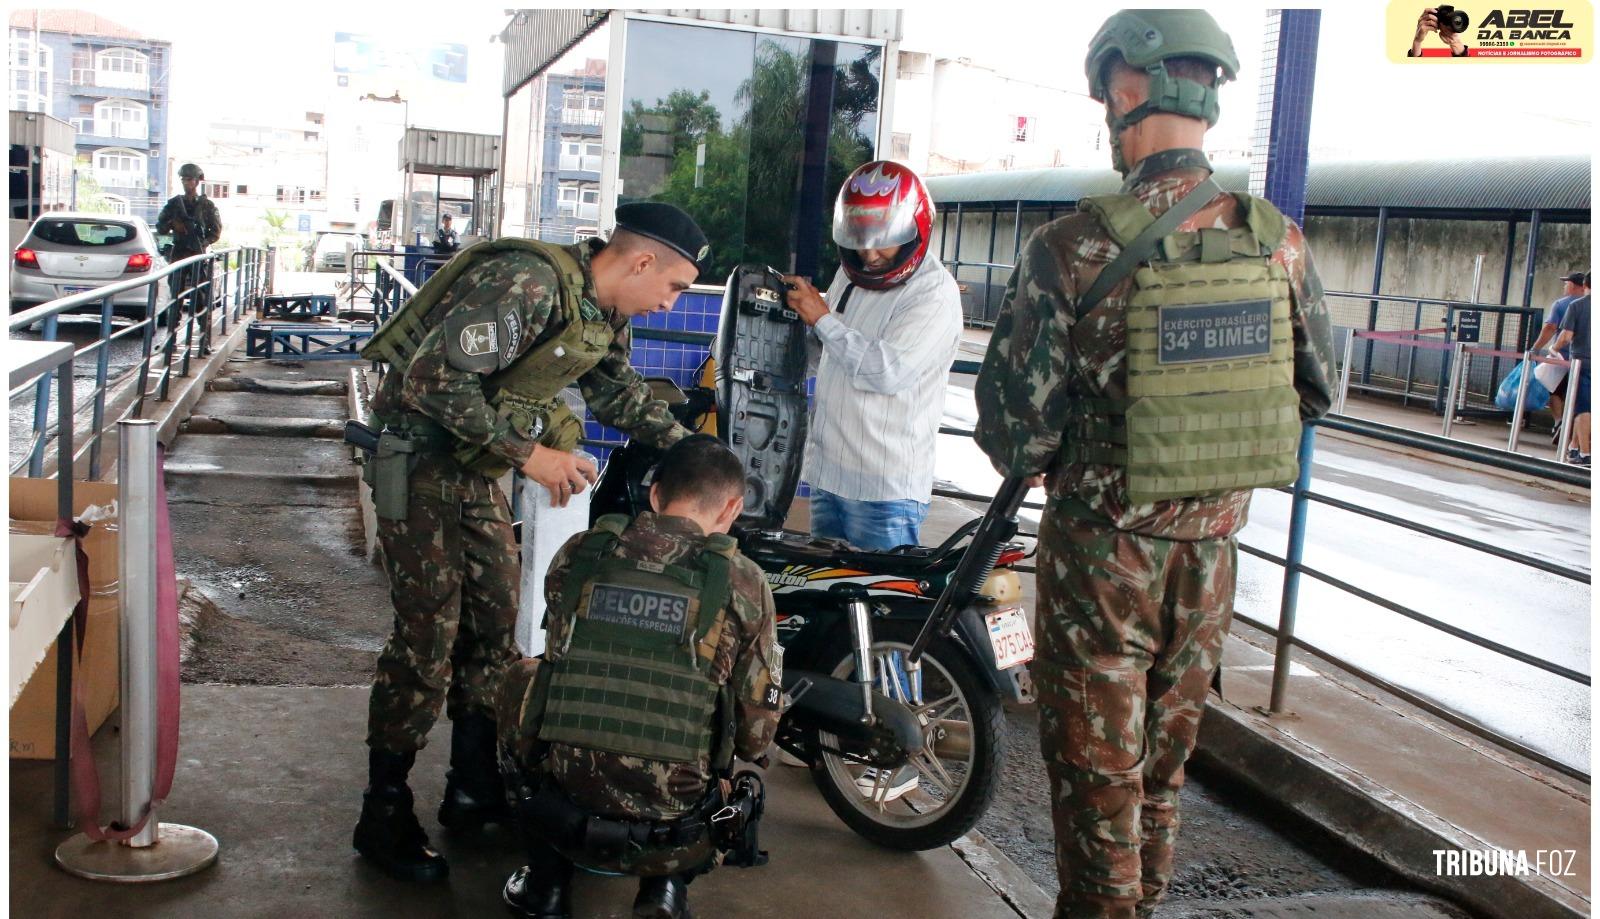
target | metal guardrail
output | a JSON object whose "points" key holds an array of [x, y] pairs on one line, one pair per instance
{"points": [[1292, 561], [206, 293]]}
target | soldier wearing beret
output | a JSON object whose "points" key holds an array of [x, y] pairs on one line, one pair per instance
{"points": [[1154, 357], [476, 361]]}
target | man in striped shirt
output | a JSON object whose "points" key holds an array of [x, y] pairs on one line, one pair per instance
{"points": [[881, 346]]}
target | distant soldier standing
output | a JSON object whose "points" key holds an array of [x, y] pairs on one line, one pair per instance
{"points": [[194, 223], [1154, 358], [662, 666], [477, 361]]}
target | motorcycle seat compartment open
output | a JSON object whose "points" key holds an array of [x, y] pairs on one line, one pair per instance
{"points": [[761, 390]]}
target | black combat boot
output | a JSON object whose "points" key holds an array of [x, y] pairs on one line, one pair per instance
{"points": [[388, 833], [665, 897], [473, 791], [542, 888]]}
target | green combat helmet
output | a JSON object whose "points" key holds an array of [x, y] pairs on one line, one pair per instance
{"points": [[190, 171], [1145, 39]]}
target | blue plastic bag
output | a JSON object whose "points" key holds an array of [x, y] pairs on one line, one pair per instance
{"points": [[1506, 397]]}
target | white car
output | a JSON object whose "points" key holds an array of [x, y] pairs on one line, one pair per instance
{"points": [[328, 253], [67, 252]]}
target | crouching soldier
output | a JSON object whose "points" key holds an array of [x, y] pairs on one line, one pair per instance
{"points": [[661, 665]]}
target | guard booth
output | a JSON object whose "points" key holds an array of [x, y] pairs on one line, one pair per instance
{"points": [[446, 172], [747, 119], [41, 168]]}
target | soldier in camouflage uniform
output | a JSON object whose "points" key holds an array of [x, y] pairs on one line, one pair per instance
{"points": [[195, 225], [500, 331], [698, 491], [1136, 572]]}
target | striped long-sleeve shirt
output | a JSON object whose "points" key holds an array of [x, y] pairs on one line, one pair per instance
{"points": [[881, 368]]}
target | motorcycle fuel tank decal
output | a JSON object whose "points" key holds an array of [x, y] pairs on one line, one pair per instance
{"points": [[794, 578]]}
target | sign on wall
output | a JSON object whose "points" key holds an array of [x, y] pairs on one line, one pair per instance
{"points": [[354, 52]]}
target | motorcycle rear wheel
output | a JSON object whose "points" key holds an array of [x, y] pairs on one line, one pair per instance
{"points": [[959, 771]]}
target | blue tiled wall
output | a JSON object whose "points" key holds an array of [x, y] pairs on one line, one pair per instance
{"points": [[695, 311]]}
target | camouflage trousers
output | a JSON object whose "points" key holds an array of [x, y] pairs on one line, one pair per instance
{"points": [[453, 580], [1130, 632], [523, 762]]}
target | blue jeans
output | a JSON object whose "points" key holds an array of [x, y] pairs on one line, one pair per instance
{"points": [[867, 524]]}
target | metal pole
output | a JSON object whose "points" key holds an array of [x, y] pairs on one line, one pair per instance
{"points": [[1349, 362], [1573, 374], [1522, 395], [102, 360], [1291, 572], [1377, 287], [1455, 380], [1534, 226], [158, 851], [136, 521], [64, 510], [41, 407]]}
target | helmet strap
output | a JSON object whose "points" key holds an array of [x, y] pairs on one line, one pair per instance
{"points": [[1173, 95]]}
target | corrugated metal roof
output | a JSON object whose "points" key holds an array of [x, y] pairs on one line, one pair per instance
{"points": [[882, 25], [535, 39], [33, 129], [1502, 184], [449, 152]]}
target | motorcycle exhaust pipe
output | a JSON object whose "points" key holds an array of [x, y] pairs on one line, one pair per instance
{"points": [[952, 739]]}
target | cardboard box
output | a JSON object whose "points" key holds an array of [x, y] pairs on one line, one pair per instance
{"points": [[44, 591], [33, 716]]}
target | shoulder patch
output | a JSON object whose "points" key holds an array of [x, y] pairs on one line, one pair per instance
{"points": [[472, 340]]}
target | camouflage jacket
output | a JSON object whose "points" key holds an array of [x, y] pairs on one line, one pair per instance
{"points": [[1027, 382], [747, 656], [176, 218], [455, 398]]}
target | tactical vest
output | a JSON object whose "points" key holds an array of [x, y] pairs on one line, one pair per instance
{"points": [[1208, 373], [634, 674], [525, 393]]}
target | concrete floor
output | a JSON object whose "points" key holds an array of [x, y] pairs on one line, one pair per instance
{"points": [[275, 774]]}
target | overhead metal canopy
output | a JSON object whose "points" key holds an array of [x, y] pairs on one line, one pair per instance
{"points": [[450, 153], [34, 129], [1527, 183], [536, 39]]}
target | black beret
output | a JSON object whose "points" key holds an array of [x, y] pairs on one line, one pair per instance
{"points": [[666, 224]]}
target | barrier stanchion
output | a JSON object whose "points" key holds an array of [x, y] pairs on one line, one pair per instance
{"points": [[139, 847], [1349, 361], [1522, 398], [1458, 357], [1574, 372]]}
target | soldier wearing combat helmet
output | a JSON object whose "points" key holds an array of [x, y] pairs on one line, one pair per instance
{"points": [[1154, 359], [192, 220], [662, 666], [477, 359]]}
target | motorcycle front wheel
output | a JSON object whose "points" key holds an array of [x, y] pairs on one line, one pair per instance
{"points": [[946, 788]]}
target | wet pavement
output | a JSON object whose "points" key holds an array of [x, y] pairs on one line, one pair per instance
{"points": [[1536, 612]]}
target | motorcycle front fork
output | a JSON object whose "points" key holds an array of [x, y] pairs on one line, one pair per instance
{"points": [[903, 676]]}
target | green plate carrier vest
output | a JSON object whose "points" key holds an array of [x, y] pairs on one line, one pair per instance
{"points": [[634, 676], [1209, 370], [525, 393]]}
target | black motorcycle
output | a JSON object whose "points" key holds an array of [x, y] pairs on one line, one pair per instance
{"points": [[896, 663]]}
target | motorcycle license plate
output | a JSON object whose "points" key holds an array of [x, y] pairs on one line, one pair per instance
{"points": [[1010, 637]]}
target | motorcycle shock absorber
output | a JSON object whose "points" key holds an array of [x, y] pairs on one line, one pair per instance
{"points": [[861, 632]]}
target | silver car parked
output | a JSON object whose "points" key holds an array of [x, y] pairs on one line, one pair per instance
{"points": [[66, 253]]}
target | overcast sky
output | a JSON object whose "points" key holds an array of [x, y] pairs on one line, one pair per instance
{"points": [[1365, 106], [239, 61]]}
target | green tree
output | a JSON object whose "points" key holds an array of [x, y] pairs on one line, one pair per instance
{"points": [[90, 198]]}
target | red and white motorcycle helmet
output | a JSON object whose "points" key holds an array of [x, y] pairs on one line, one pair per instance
{"points": [[882, 205]]}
